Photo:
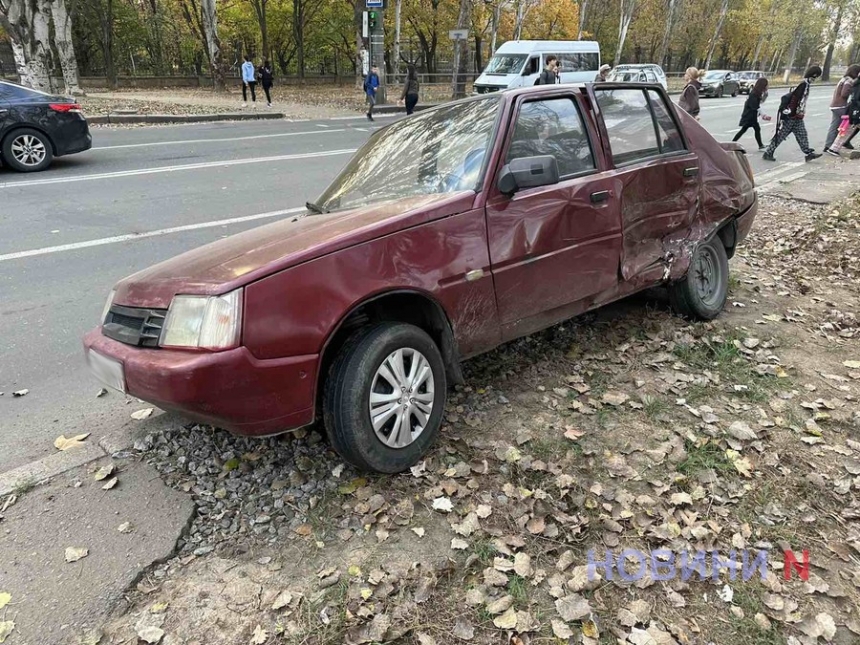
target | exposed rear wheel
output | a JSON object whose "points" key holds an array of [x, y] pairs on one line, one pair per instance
{"points": [[703, 291], [384, 397], [27, 150]]}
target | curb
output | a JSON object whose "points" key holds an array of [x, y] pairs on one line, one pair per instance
{"points": [[181, 118]]}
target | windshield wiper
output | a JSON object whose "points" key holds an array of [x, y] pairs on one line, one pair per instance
{"points": [[319, 210]]}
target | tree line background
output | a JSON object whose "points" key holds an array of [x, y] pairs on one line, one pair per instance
{"points": [[53, 41]]}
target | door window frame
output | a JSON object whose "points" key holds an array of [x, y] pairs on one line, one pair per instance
{"points": [[604, 132], [512, 126]]}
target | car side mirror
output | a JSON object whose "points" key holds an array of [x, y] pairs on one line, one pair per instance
{"points": [[528, 172]]}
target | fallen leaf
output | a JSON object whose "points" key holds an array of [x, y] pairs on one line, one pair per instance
{"points": [[615, 398], [458, 544], [21, 393], [573, 607], [150, 634], [536, 525], [73, 554], [110, 483], [443, 504], [726, 594], [523, 565], [350, 487], [500, 605], [425, 639], [125, 527], [574, 434], [508, 620], [140, 415], [354, 571], [284, 598], [741, 431], [484, 511], [62, 443], [854, 365], [5, 598], [463, 630], [6, 628], [417, 530], [104, 471], [822, 625], [259, 636], [560, 629]]}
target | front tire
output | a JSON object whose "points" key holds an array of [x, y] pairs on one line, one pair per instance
{"points": [[720, 92], [734, 93], [384, 397], [27, 150], [702, 292]]}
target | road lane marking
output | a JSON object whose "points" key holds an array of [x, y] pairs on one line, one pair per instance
{"points": [[248, 138], [165, 169], [116, 239], [783, 180]]}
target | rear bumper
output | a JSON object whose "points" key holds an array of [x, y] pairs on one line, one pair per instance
{"points": [[745, 221], [71, 136], [230, 389]]}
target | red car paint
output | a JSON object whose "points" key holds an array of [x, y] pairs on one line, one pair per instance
{"points": [[499, 267]]}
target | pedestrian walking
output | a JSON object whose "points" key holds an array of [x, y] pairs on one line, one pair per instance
{"points": [[850, 123], [267, 78], [249, 81], [752, 112], [689, 101], [602, 73], [839, 106], [549, 75], [371, 85], [792, 109], [410, 90]]}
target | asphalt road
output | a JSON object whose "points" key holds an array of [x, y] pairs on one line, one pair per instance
{"points": [[68, 234]]}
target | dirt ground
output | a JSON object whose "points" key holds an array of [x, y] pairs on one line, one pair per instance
{"points": [[628, 428]]}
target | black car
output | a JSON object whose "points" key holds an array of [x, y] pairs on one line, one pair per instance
{"points": [[718, 82], [36, 127]]}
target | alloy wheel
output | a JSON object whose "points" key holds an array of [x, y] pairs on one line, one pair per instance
{"points": [[28, 150]]}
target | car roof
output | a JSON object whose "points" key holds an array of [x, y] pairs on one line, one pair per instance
{"points": [[529, 46]]}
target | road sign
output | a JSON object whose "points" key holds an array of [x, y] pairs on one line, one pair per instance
{"points": [[374, 4], [365, 32], [456, 34]]}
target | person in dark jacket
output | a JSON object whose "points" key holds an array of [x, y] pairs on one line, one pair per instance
{"points": [[689, 101], [267, 79], [549, 76], [410, 90], [752, 112], [839, 105], [791, 118], [371, 85]]}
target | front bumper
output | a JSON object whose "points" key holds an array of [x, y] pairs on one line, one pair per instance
{"points": [[230, 389], [708, 91]]}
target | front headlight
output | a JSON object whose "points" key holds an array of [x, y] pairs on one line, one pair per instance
{"points": [[107, 306], [207, 322]]}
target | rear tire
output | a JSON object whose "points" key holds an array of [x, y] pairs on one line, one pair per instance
{"points": [[734, 93], [702, 292], [365, 377], [27, 150]]}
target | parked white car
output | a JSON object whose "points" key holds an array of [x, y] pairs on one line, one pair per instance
{"points": [[518, 63], [640, 73]]}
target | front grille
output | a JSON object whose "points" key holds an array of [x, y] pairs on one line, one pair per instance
{"points": [[134, 325], [484, 89]]}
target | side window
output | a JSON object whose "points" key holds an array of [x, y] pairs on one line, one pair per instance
{"points": [[650, 76], [552, 127], [531, 67], [670, 137], [632, 126]]}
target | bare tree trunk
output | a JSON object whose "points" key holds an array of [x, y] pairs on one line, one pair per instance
{"points": [[627, 8], [724, 9], [396, 61], [521, 15], [461, 52], [828, 58], [213, 44], [667, 34], [299, 35], [65, 47], [27, 24], [583, 6], [791, 55], [494, 29]]}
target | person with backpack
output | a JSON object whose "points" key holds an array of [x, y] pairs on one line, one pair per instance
{"points": [[371, 84], [249, 81], [792, 109], [839, 106], [549, 75], [410, 90], [752, 112], [266, 78], [689, 101]]}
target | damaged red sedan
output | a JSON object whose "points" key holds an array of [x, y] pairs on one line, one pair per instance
{"points": [[447, 234]]}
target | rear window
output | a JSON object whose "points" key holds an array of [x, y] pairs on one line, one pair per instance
{"points": [[10, 91]]}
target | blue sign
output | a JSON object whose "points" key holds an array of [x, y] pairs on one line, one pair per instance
{"points": [[375, 4]]}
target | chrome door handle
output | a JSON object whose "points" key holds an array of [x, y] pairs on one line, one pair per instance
{"points": [[600, 196], [691, 172]]}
